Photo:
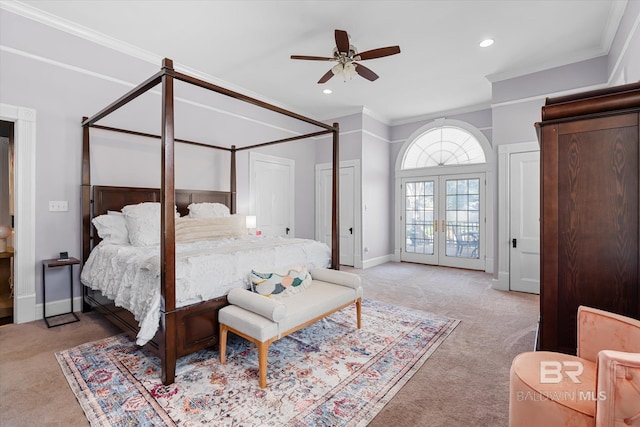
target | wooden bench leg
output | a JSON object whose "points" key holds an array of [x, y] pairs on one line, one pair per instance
{"points": [[223, 343], [263, 351], [359, 311]]}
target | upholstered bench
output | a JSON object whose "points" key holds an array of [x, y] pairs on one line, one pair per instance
{"points": [[263, 320]]}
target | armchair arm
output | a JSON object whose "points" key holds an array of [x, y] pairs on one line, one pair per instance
{"points": [[258, 304], [618, 389], [343, 278], [600, 330]]}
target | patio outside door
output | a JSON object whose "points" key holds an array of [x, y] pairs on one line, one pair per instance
{"points": [[443, 220]]}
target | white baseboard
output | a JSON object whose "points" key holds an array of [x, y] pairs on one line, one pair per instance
{"points": [[502, 282], [59, 307], [23, 311], [376, 261], [357, 262], [488, 265]]}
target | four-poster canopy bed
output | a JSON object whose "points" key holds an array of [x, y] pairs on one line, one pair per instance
{"points": [[189, 328]]}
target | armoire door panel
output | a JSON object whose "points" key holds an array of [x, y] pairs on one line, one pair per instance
{"points": [[590, 212], [598, 241]]}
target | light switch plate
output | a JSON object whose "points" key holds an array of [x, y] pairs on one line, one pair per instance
{"points": [[58, 206]]}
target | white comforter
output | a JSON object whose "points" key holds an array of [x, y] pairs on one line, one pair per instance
{"points": [[130, 275]]}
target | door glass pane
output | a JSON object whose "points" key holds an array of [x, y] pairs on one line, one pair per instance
{"points": [[419, 217], [462, 232]]}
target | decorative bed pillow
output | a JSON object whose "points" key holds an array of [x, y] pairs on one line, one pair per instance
{"points": [[280, 284], [208, 210], [195, 229], [112, 228], [143, 223]]}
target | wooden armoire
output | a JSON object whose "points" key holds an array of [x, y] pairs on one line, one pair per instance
{"points": [[590, 193]]}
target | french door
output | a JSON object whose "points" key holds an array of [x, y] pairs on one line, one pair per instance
{"points": [[443, 220]]}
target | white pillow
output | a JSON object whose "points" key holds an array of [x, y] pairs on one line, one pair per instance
{"points": [[112, 228], [208, 210], [143, 223]]}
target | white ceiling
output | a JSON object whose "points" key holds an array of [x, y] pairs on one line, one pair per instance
{"points": [[247, 45]]}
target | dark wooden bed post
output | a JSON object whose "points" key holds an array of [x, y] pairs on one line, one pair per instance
{"points": [[167, 236], [335, 201], [232, 179], [86, 203]]}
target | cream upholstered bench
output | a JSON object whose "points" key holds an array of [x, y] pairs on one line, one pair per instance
{"points": [[263, 320]]}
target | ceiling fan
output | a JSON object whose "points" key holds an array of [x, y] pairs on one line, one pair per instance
{"points": [[347, 56]]}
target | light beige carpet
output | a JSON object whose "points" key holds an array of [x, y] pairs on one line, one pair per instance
{"points": [[465, 382]]}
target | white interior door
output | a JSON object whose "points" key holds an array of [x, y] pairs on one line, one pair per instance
{"points": [[524, 196], [272, 181], [348, 228]]}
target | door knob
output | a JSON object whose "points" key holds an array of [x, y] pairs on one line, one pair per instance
{"points": [[514, 242], [287, 230], [351, 230]]}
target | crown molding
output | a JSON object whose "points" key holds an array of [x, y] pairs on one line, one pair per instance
{"points": [[568, 60], [624, 49], [613, 23], [78, 30], [544, 96], [616, 12]]}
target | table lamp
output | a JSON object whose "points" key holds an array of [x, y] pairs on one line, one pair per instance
{"points": [[251, 223]]}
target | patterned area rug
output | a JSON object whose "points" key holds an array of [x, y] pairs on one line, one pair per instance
{"points": [[327, 374]]}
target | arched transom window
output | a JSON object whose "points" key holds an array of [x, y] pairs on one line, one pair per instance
{"points": [[443, 146]]}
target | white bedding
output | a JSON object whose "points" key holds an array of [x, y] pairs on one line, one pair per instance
{"points": [[130, 275]]}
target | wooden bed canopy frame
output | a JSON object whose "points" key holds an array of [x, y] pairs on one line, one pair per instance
{"points": [[182, 330]]}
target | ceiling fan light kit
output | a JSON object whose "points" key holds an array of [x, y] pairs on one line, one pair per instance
{"points": [[346, 55], [346, 70]]}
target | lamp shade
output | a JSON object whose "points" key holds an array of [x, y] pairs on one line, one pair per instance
{"points": [[251, 221]]}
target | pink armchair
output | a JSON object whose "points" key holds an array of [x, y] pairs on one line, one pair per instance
{"points": [[598, 387]]}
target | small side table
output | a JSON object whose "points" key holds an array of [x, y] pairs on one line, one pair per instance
{"points": [[49, 263]]}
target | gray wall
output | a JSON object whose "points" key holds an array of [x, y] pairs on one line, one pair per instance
{"points": [[377, 204]]}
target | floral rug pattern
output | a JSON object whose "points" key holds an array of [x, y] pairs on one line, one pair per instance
{"points": [[327, 374]]}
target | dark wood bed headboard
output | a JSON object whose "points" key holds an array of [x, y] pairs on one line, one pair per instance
{"points": [[106, 198]]}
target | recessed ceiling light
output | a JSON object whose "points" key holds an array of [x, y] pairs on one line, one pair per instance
{"points": [[486, 42], [327, 91]]}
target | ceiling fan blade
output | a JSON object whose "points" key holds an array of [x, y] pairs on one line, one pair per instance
{"points": [[326, 77], [313, 58], [365, 72], [377, 53], [342, 41]]}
